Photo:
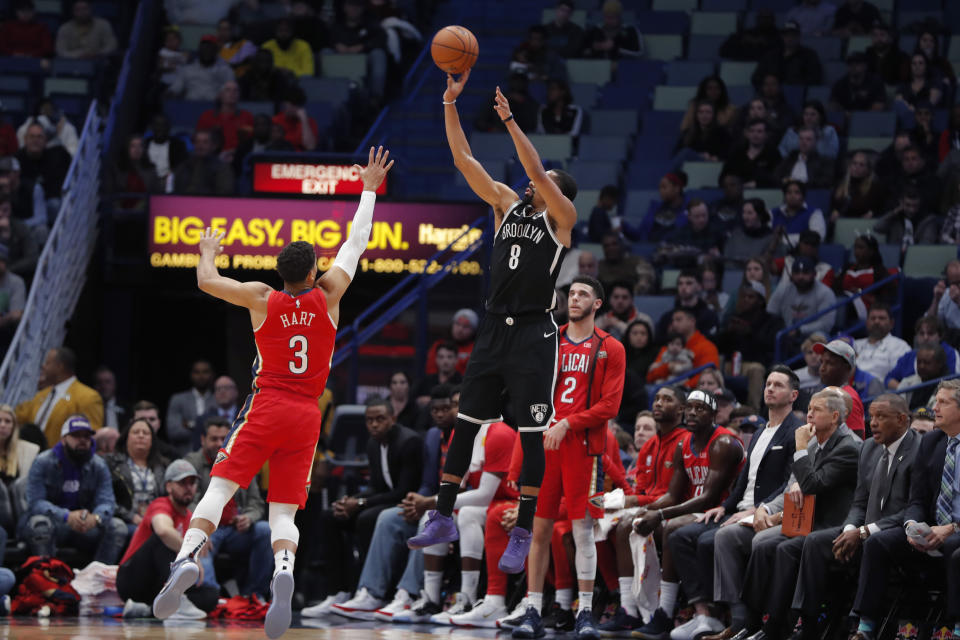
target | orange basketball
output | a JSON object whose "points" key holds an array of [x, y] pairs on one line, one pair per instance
{"points": [[454, 49]]}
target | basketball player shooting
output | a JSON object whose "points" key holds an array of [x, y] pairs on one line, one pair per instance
{"points": [[294, 330], [516, 346]]}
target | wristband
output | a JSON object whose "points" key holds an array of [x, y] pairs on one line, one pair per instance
{"points": [[454, 101], [508, 118]]}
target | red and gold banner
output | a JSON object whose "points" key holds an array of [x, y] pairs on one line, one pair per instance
{"points": [[309, 179]]}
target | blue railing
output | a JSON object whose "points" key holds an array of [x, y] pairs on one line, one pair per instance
{"points": [[61, 270], [897, 310], [922, 385]]}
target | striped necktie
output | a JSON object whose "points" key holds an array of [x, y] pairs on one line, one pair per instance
{"points": [[945, 501]]}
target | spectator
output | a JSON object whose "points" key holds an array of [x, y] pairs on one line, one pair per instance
{"points": [[921, 87], [446, 373], [879, 352], [185, 407], [235, 50], [757, 270], [908, 224], [234, 124], [357, 33], [526, 110], [855, 17], [243, 531], [705, 139], [262, 139], [755, 160], [689, 287], [13, 299], [750, 331], [691, 243], [921, 420], [676, 358], [889, 160], [560, 115], [670, 212], [444, 405], [587, 264], [931, 364], [684, 323], [860, 193], [463, 330], [711, 381], [60, 132], [837, 366], [808, 244], [862, 272], [198, 11], [300, 129], [166, 153], [144, 567], [639, 345], [754, 42], [950, 138], [805, 164], [170, 57], [70, 498], [605, 216], [21, 195], [800, 298], [923, 133], [265, 82], [728, 208], [135, 173], [24, 35], [865, 384], [403, 405], [884, 57], [928, 329], [611, 38], [292, 54], [713, 90], [115, 415], [859, 89], [792, 62], [755, 109], [63, 397], [225, 395], [203, 173], [813, 17], [948, 306], [564, 36], [16, 457], [146, 410], [711, 275], [622, 311], [533, 59], [85, 36], [618, 264], [814, 117], [45, 166], [809, 375], [201, 79], [928, 43], [795, 216], [137, 468], [915, 173], [780, 114], [753, 236]]}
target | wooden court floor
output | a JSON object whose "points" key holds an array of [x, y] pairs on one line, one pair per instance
{"points": [[315, 629]]}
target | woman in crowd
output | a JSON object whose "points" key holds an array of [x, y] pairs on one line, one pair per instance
{"points": [[860, 193], [713, 90], [864, 270], [756, 269], [137, 470], [705, 139], [924, 84], [404, 408], [16, 456], [753, 236], [639, 345], [711, 381], [560, 114], [814, 116], [712, 277], [929, 45], [135, 173]]}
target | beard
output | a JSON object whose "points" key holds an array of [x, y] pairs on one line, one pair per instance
{"points": [[78, 456], [527, 200], [181, 501]]}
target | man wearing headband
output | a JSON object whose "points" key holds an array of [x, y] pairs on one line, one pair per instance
{"points": [[711, 456]]}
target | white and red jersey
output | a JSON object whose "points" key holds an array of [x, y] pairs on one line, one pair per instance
{"points": [[294, 344], [697, 464], [493, 455]]}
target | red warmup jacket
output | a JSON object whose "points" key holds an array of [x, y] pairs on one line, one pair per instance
{"points": [[655, 465]]}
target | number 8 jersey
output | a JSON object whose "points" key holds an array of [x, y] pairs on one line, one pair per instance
{"points": [[294, 344]]}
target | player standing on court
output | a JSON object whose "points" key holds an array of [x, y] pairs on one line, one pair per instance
{"points": [[294, 330], [588, 393], [516, 346]]}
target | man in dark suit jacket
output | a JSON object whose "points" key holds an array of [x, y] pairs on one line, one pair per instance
{"points": [[350, 521], [825, 466], [883, 490], [763, 478], [815, 170], [930, 504]]}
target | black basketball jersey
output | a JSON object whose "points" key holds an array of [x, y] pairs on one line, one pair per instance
{"points": [[524, 263]]}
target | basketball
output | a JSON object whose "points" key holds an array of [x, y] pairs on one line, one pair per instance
{"points": [[454, 49]]}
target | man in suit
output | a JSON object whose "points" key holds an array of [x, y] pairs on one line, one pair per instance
{"points": [[350, 521], [224, 406], [762, 479], [186, 406], [63, 397], [825, 466], [883, 489], [934, 502], [115, 415]]}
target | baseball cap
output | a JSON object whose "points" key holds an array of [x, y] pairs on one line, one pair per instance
{"points": [[704, 397], [178, 470], [725, 395], [803, 264], [76, 424], [757, 422], [838, 348], [922, 413], [469, 314]]}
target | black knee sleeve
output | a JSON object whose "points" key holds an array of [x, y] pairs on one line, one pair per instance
{"points": [[534, 462]]}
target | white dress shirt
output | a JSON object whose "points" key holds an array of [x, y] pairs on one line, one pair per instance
{"points": [[756, 457], [46, 408], [879, 358]]}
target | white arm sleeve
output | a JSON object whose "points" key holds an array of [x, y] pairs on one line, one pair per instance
{"points": [[356, 242], [482, 495]]}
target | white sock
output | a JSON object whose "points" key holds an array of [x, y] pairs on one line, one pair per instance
{"points": [[402, 594], [283, 561], [668, 597], [586, 601], [193, 540], [468, 584], [565, 598], [495, 601], [535, 600], [431, 585], [627, 600]]}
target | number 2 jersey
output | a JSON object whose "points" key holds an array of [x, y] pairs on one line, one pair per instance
{"points": [[294, 344]]}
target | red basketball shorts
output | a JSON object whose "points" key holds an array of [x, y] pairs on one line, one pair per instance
{"points": [[276, 427], [573, 475]]}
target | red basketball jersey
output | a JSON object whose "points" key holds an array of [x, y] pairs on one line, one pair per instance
{"points": [[697, 465], [573, 377], [294, 344]]}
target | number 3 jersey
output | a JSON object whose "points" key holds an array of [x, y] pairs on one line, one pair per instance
{"points": [[524, 264], [294, 344]]}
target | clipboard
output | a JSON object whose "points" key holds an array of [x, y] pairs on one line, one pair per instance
{"points": [[798, 522]]}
